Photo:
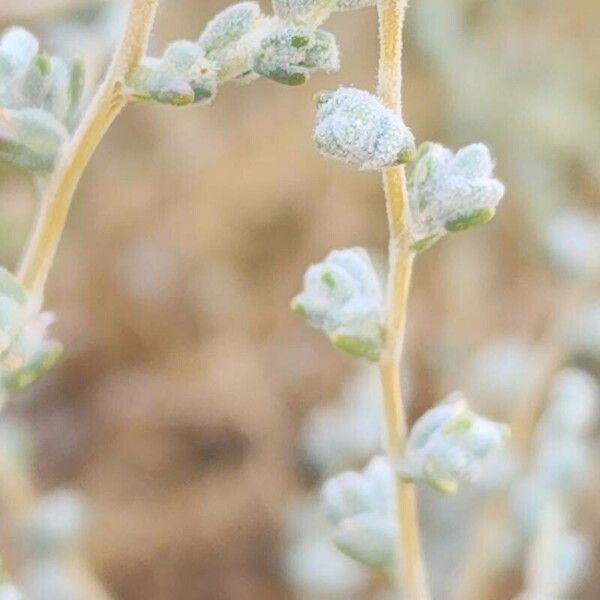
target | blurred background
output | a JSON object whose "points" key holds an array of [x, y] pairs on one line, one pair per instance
{"points": [[177, 406]]}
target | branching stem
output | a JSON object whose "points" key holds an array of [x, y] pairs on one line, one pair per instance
{"points": [[109, 100]]}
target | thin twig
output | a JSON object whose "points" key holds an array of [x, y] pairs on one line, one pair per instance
{"points": [[411, 567], [104, 108]]}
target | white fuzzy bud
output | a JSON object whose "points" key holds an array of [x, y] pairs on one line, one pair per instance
{"points": [[288, 54], [25, 352], [228, 27], [39, 97], [342, 296], [304, 12], [32, 80], [448, 444], [30, 138], [18, 47], [572, 243], [360, 507], [184, 75], [450, 192], [355, 127]]}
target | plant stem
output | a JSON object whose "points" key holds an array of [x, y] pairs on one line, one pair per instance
{"points": [[411, 567], [104, 108]]}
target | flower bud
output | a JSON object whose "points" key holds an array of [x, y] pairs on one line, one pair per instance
{"points": [[368, 539], [30, 355], [342, 296], [450, 192], [228, 27], [182, 76], [25, 352], [288, 54], [360, 507], [448, 443], [18, 47], [13, 300], [353, 126], [304, 12], [30, 80], [30, 138]]}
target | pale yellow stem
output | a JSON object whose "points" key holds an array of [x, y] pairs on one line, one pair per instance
{"points": [[411, 568], [106, 105]]}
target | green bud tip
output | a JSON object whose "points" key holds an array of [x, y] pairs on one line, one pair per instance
{"points": [[300, 41], [328, 279], [361, 347], [298, 308], [479, 217], [321, 97]]}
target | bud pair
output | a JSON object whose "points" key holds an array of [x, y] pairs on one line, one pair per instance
{"points": [[342, 296], [448, 444], [32, 80], [450, 192], [288, 54], [353, 126], [360, 507], [31, 138], [182, 76]]}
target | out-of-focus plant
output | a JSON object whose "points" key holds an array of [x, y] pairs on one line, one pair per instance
{"points": [[375, 522], [48, 527]]}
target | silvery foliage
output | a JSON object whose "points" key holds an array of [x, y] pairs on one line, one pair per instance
{"points": [[342, 296], [563, 459], [355, 127], [314, 12], [25, 350], [497, 373], [450, 192], [39, 99], [359, 506], [572, 243], [312, 566], [448, 444], [240, 44], [561, 471], [345, 434]]}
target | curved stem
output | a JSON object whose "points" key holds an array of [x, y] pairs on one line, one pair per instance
{"points": [[106, 105], [411, 567]]}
